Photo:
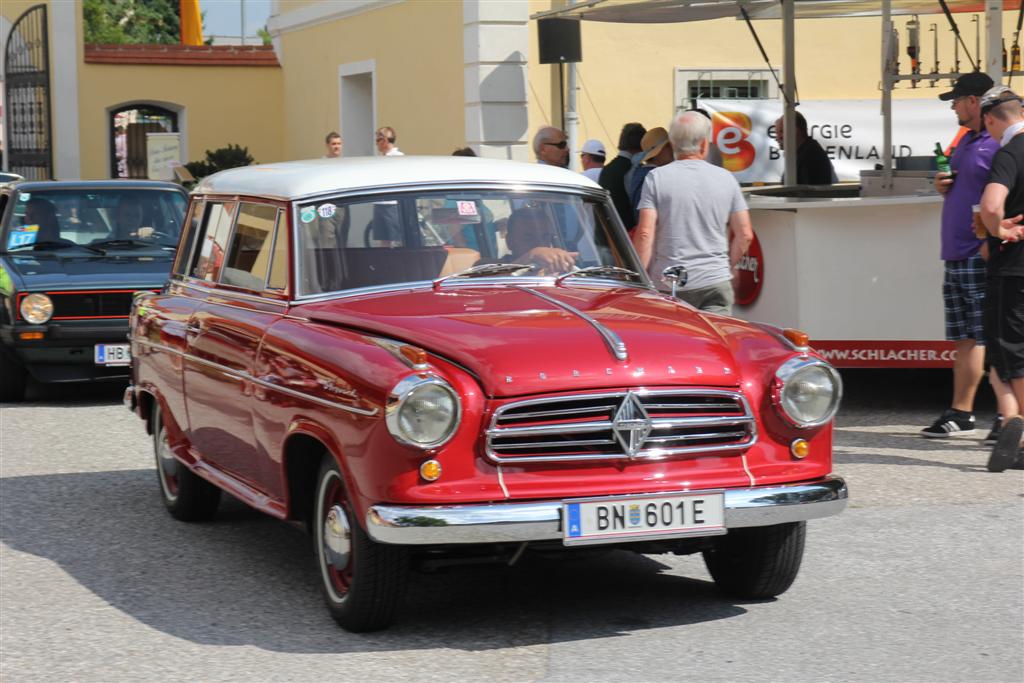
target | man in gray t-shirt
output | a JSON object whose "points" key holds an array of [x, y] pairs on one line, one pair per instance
{"points": [[687, 209]]}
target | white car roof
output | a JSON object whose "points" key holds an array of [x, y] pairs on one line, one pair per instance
{"points": [[298, 179]]}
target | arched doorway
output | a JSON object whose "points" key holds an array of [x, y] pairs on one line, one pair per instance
{"points": [[128, 127], [27, 96]]}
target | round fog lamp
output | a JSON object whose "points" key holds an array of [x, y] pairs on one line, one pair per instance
{"points": [[36, 308], [430, 470], [800, 448]]}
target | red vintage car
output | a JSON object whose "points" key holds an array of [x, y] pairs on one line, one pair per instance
{"points": [[462, 358]]}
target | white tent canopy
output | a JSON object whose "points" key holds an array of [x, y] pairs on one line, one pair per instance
{"points": [[675, 11]]}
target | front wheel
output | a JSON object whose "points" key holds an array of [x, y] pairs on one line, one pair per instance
{"points": [[757, 562], [186, 495], [363, 581]]}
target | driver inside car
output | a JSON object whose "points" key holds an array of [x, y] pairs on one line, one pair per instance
{"points": [[129, 220], [531, 240]]}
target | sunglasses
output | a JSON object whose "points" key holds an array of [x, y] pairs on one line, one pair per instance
{"points": [[560, 145]]}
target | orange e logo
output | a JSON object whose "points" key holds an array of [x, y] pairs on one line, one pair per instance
{"points": [[730, 130]]}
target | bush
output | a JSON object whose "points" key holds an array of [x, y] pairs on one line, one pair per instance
{"points": [[231, 156]]}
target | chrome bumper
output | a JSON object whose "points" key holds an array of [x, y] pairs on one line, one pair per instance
{"points": [[517, 522]]}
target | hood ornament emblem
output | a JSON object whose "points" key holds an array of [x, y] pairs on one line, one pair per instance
{"points": [[631, 424]]}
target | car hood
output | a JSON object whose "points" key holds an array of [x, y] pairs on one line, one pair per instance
{"points": [[48, 271], [517, 342]]}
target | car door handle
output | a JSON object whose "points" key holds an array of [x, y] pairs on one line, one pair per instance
{"points": [[193, 329]]}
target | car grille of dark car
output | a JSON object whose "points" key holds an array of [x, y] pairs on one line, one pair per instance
{"points": [[84, 305], [599, 426]]}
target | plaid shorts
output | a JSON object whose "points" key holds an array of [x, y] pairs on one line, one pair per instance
{"points": [[963, 291]]}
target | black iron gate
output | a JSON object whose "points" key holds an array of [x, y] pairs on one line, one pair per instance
{"points": [[27, 96]]}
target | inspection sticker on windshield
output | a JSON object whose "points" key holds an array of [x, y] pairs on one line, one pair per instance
{"points": [[466, 208], [325, 210], [308, 214], [22, 235]]}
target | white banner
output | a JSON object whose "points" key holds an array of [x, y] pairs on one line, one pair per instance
{"points": [[850, 131]]}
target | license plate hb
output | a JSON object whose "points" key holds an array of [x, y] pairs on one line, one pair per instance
{"points": [[113, 354], [608, 520]]}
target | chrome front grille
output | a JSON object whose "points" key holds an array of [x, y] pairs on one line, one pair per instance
{"points": [[621, 425]]}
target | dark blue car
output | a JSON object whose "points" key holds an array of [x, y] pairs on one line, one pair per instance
{"points": [[72, 256]]}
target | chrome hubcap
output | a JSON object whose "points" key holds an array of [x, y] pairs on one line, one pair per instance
{"points": [[337, 538]]}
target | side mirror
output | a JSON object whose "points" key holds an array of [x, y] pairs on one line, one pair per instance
{"points": [[676, 275]]}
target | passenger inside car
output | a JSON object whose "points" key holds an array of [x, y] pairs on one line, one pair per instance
{"points": [[42, 213], [532, 239]]}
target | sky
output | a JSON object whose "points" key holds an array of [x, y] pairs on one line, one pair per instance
{"points": [[223, 17]]}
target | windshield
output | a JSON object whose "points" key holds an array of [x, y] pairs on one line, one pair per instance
{"points": [[105, 219], [421, 236]]}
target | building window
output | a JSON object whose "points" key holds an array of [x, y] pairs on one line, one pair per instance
{"points": [[723, 84], [128, 128]]}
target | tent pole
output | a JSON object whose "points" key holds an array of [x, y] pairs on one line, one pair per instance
{"points": [[789, 86], [887, 83], [994, 40]]}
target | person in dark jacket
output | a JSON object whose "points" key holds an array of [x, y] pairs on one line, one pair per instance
{"points": [[812, 164], [613, 176]]}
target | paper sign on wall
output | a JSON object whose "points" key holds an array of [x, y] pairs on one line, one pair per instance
{"points": [[163, 152]]}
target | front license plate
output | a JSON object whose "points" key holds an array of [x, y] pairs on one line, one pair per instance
{"points": [[113, 354], [607, 520]]}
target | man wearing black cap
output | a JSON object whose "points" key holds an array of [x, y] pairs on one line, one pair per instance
{"points": [[1002, 209], [963, 286]]}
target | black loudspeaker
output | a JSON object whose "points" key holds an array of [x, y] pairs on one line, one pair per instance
{"points": [[559, 41]]}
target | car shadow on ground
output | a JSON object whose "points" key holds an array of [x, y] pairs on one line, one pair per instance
{"points": [[246, 579]]}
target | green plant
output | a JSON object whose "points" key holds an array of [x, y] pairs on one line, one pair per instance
{"points": [[131, 22], [231, 156]]}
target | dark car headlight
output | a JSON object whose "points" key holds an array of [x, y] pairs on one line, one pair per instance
{"points": [[36, 308], [806, 391], [423, 411]]}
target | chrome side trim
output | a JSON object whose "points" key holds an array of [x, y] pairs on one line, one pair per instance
{"points": [[186, 283], [612, 340], [542, 521], [236, 374]]}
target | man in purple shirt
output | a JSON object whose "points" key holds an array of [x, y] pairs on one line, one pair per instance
{"points": [[963, 287]]}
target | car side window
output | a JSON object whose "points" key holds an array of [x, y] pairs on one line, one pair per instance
{"points": [[279, 261], [188, 240], [209, 259], [249, 253]]}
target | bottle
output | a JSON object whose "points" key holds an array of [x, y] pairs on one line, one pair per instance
{"points": [[1015, 57], [941, 160], [1004, 54]]}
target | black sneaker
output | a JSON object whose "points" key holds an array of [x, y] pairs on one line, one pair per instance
{"points": [[949, 423], [1007, 448], [993, 434]]}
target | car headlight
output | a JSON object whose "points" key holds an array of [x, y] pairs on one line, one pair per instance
{"points": [[807, 391], [422, 411], [37, 308]]}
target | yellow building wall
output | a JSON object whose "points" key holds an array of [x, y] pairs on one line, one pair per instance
{"points": [[223, 104], [627, 72], [417, 47]]}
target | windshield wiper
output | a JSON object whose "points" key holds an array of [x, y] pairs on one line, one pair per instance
{"points": [[485, 269], [54, 244], [126, 243], [599, 270]]}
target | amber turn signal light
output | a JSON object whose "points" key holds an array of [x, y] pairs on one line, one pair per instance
{"points": [[30, 336], [800, 448], [430, 470], [413, 354], [796, 336]]}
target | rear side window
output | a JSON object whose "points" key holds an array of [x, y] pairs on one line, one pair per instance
{"points": [[188, 240], [212, 246], [249, 255], [279, 262]]}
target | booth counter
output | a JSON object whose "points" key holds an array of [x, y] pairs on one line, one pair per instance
{"points": [[861, 275]]}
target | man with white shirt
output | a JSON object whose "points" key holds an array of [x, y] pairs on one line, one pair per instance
{"points": [[592, 159], [385, 139]]}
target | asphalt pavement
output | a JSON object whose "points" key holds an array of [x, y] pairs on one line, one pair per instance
{"points": [[920, 579]]}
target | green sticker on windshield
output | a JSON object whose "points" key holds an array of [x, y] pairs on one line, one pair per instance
{"points": [[308, 214]]}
